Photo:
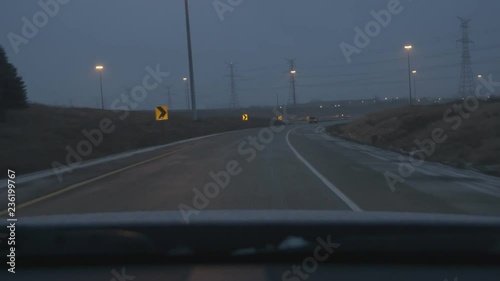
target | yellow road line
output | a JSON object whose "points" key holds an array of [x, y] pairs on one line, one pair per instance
{"points": [[71, 187]]}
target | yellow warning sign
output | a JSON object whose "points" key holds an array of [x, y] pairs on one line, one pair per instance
{"points": [[161, 113], [244, 117]]}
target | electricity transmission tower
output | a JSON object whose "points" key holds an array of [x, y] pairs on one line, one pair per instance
{"points": [[292, 98], [467, 82], [234, 102]]}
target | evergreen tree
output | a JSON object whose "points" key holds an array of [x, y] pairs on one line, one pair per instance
{"points": [[12, 88]]}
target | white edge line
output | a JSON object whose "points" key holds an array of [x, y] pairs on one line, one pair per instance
{"points": [[491, 192], [330, 185], [89, 163]]}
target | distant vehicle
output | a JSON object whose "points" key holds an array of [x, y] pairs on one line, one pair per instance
{"points": [[313, 120]]}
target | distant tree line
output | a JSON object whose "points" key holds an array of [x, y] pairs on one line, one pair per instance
{"points": [[13, 93]]}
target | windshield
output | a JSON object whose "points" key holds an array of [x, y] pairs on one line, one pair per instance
{"points": [[196, 106]]}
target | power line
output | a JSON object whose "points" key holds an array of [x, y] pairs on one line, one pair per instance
{"points": [[261, 68], [448, 52]]}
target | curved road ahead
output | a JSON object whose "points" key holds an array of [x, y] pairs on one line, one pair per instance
{"points": [[299, 168]]}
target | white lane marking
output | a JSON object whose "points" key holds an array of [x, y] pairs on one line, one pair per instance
{"points": [[330, 185], [426, 172], [481, 183], [76, 185], [483, 189], [89, 163], [375, 155]]}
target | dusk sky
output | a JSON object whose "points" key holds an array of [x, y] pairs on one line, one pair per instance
{"points": [[126, 36]]}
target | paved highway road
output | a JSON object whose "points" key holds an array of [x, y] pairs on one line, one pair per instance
{"points": [[300, 168]]}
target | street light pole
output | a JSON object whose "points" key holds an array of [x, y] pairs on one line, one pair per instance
{"points": [[102, 95], [188, 98], [99, 69], [293, 72], [408, 48], [190, 54], [186, 85], [414, 72]]}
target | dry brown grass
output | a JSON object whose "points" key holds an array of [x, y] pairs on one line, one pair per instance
{"points": [[32, 139], [475, 143]]}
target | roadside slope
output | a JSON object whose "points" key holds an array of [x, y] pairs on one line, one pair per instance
{"points": [[472, 139], [32, 139]]}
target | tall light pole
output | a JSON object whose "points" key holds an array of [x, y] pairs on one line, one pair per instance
{"points": [[187, 91], [408, 49], [190, 54], [293, 95], [99, 69], [292, 73], [414, 72]]}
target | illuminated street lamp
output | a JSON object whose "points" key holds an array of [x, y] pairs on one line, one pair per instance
{"points": [[292, 75], [480, 76], [414, 72], [187, 92], [408, 49], [99, 69]]}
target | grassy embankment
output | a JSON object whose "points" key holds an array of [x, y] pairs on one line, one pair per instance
{"points": [[472, 142], [32, 139]]}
